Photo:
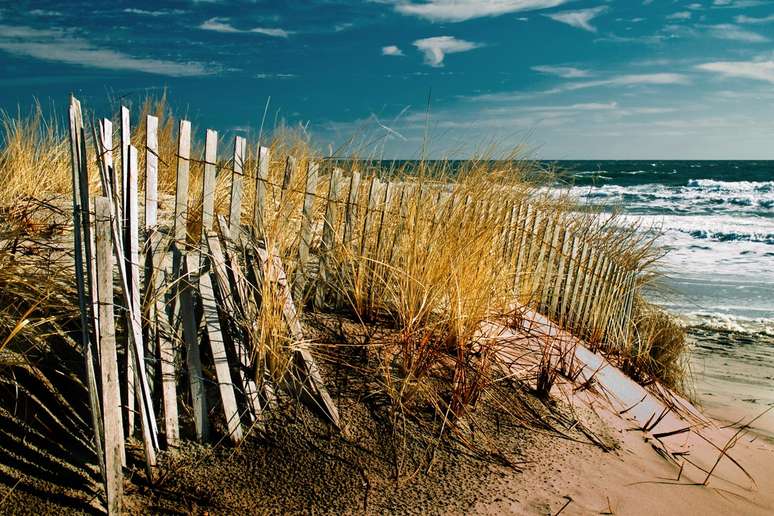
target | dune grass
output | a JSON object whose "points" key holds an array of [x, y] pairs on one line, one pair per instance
{"points": [[435, 270]]}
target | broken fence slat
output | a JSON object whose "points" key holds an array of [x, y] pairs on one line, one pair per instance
{"points": [[218, 262], [219, 356], [163, 332], [272, 268]]}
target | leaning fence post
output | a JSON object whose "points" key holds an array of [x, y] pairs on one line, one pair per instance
{"points": [[132, 253], [78, 161], [111, 396]]}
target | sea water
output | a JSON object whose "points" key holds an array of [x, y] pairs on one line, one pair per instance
{"points": [[716, 219]]}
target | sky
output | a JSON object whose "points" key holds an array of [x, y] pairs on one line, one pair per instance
{"points": [[561, 79]]}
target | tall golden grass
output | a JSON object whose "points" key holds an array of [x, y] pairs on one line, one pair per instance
{"points": [[434, 270]]}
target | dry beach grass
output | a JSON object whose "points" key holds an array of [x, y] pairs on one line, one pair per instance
{"points": [[401, 339]]}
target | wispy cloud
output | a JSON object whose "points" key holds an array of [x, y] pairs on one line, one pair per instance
{"points": [[145, 12], [681, 15], [461, 10], [630, 80], [45, 12], [624, 80], [566, 72], [580, 19], [222, 25], [758, 70], [435, 49], [61, 46], [738, 4], [584, 106], [275, 76], [751, 20], [391, 50], [735, 33]]}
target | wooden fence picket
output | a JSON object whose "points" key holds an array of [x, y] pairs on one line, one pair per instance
{"points": [[560, 279], [90, 354], [183, 264], [126, 141], [132, 250], [287, 178], [330, 228], [351, 213], [302, 275], [237, 178], [589, 279], [111, 396], [229, 301], [220, 358], [209, 305], [259, 206], [571, 264]]}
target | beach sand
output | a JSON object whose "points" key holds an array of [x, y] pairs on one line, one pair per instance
{"points": [[306, 469], [591, 458], [635, 479]]}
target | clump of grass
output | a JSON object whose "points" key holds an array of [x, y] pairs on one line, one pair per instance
{"points": [[659, 349], [34, 157]]}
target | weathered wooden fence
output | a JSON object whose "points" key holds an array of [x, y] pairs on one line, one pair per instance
{"points": [[179, 290]]}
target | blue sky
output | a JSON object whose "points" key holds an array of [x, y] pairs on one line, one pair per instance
{"points": [[570, 79]]}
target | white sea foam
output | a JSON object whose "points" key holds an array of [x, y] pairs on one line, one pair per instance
{"points": [[698, 196], [728, 323]]}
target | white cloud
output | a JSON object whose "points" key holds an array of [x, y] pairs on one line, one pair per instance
{"points": [[682, 15], [222, 25], [391, 50], [566, 72], [735, 33], [758, 70], [341, 27], [275, 76], [44, 12], [627, 80], [143, 12], [751, 20], [586, 106], [435, 49], [738, 4], [580, 19], [60, 46], [461, 10]]}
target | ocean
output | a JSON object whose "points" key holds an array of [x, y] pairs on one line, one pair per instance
{"points": [[716, 219]]}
